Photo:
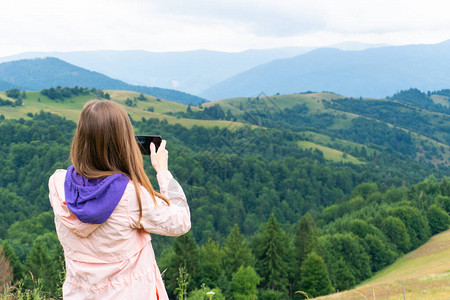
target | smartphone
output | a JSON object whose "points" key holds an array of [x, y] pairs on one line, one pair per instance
{"points": [[144, 141]]}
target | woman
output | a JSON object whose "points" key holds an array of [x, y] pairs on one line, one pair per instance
{"points": [[105, 209]]}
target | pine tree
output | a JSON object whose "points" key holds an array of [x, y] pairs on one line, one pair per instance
{"points": [[315, 279], [272, 249], [305, 240], [210, 263], [236, 252]]}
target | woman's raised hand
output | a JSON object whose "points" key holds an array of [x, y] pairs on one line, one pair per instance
{"points": [[159, 159]]}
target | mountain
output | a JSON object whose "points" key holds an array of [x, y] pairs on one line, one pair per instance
{"points": [[4, 85], [37, 74], [353, 46], [187, 71], [375, 72]]}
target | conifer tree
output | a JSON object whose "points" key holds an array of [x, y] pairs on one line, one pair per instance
{"points": [[305, 241], [236, 252], [210, 263], [272, 249]]}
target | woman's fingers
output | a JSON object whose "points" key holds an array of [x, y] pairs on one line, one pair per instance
{"points": [[159, 158], [163, 145], [152, 148]]}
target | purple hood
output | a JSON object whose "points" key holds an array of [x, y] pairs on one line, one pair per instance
{"points": [[93, 200]]}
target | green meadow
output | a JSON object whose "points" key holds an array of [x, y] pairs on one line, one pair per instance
{"points": [[330, 153], [70, 108]]}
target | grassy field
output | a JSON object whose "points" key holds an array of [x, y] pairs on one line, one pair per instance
{"points": [[330, 153], [333, 142], [70, 108], [443, 100], [422, 274], [313, 101]]}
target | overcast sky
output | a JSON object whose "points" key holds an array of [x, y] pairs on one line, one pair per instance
{"points": [[225, 25]]}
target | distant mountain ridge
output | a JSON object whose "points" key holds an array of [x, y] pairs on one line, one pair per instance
{"points": [[375, 72], [40, 73], [188, 71], [4, 85]]}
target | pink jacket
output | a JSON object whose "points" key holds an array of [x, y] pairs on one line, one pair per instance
{"points": [[115, 259]]}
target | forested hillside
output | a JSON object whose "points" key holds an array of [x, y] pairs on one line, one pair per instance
{"points": [[272, 212]]}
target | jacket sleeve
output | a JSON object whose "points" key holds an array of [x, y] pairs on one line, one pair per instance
{"points": [[163, 219]]}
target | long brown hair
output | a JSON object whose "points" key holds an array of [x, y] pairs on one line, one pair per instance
{"points": [[104, 144]]}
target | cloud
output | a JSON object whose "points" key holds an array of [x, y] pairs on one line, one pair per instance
{"points": [[384, 16], [263, 18], [231, 25], [295, 17]]}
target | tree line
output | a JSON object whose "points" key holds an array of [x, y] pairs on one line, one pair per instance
{"points": [[61, 93]]}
